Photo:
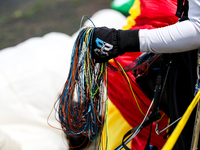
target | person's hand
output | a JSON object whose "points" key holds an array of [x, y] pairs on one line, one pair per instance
{"points": [[105, 44], [110, 43]]}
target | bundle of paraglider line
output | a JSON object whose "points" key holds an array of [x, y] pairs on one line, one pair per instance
{"points": [[82, 103]]}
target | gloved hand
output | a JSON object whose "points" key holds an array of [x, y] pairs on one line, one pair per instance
{"points": [[110, 43]]}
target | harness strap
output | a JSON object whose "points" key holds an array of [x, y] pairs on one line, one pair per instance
{"points": [[147, 147], [154, 115], [182, 8]]}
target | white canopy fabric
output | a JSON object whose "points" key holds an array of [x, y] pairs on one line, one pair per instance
{"points": [[32, 74]]}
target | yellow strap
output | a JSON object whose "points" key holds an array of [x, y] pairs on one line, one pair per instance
{"points": [[177, 131]]}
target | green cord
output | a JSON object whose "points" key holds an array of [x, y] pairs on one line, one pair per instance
{"points": [[131, 88]]}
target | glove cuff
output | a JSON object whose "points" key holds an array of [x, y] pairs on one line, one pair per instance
{"points": [[128, 41]]}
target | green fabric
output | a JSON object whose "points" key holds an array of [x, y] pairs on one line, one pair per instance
{"points": [[124, 8]]}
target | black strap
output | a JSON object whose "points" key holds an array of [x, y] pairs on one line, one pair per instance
{"points": [[186, 7], [179, 8], [182, 8], [148, 141], [126, 135], [148, 146]]}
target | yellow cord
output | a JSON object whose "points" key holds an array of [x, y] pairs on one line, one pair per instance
{"points": [[131, 88], [107, 133], [177, 131]]}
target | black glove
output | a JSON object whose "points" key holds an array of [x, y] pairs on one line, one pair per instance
{"points": [[110, 43]]}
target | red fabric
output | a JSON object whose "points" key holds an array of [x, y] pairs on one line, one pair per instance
{"points": [[121, 96], [154, 13]]}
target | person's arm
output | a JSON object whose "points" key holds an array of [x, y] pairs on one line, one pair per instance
{"points": [[180, 37]]}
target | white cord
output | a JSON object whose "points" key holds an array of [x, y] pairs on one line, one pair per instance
{"points": [[138, 129]]}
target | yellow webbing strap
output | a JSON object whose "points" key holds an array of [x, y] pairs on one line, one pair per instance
{"points": [[177, 131]]}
